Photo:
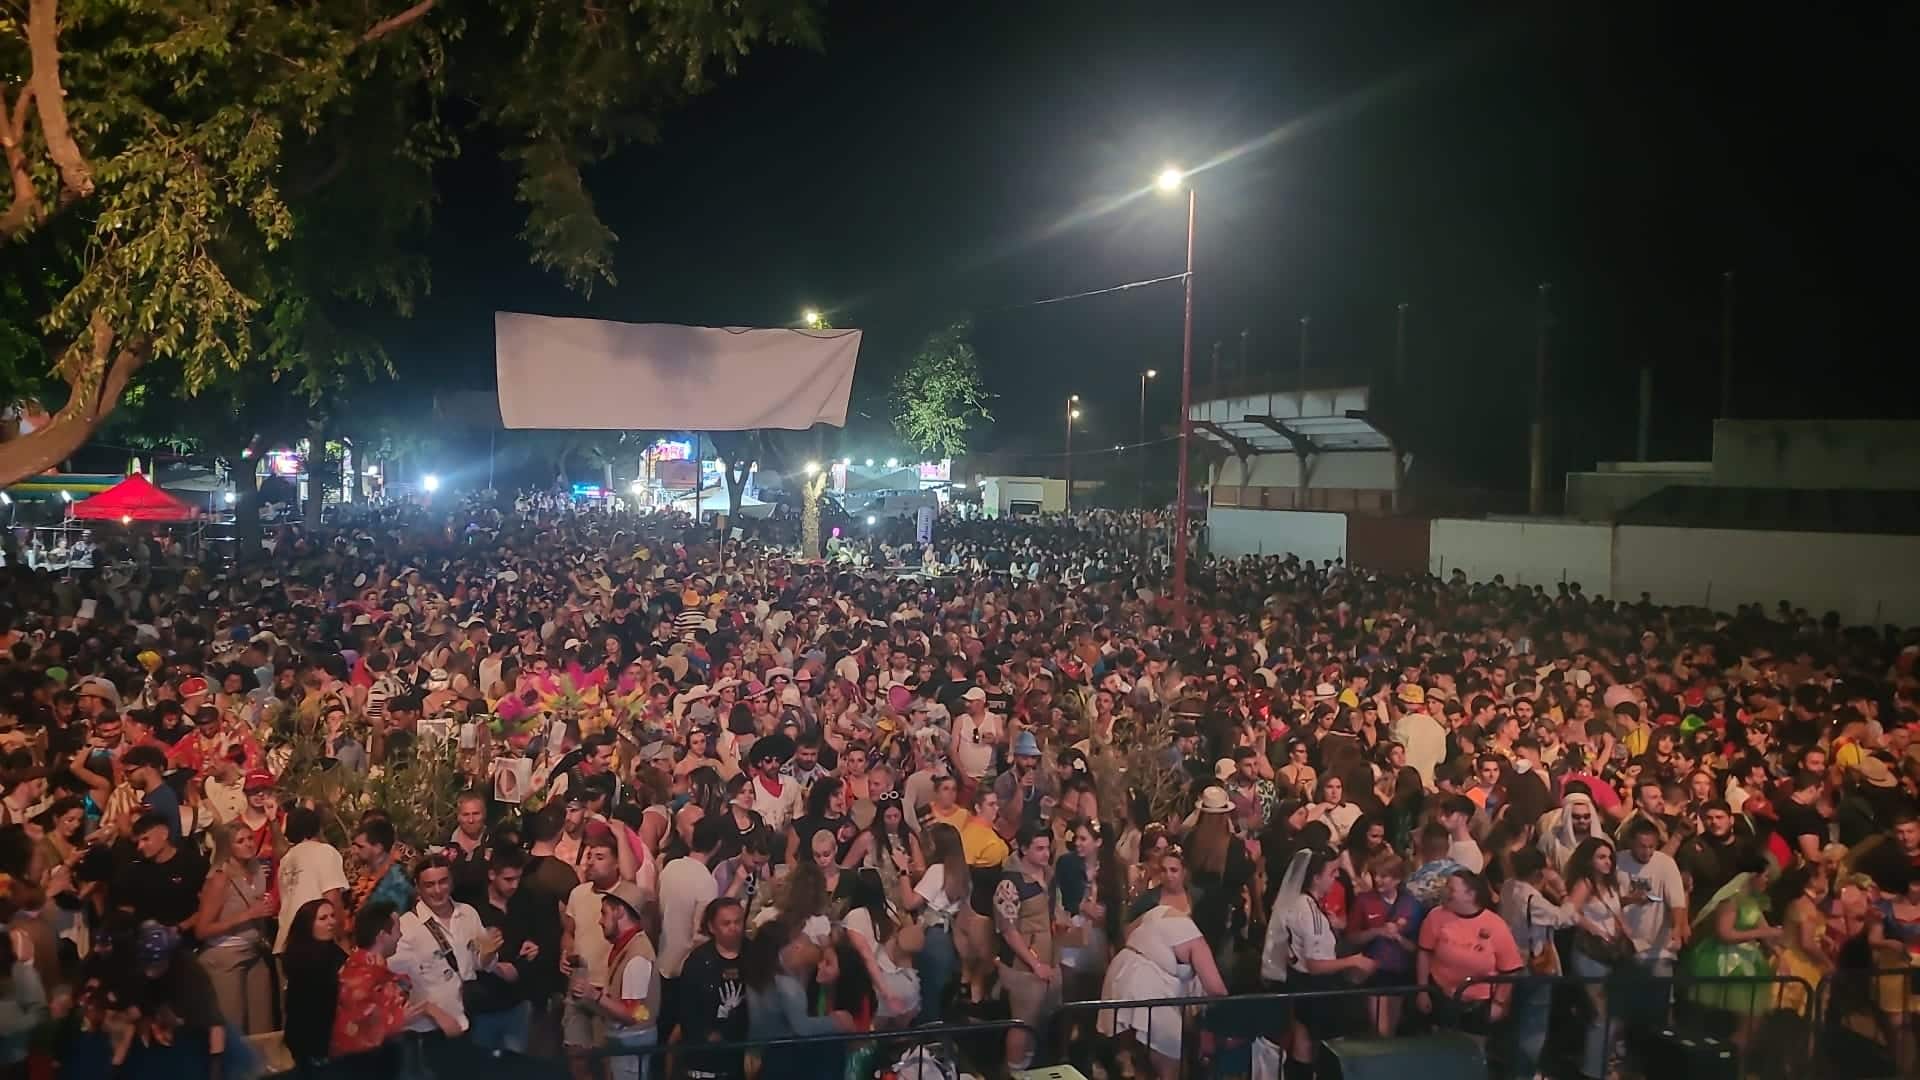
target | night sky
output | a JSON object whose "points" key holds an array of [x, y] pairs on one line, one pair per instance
{"points": [[934, 160]]}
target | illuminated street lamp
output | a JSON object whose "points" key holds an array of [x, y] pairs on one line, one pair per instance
{"points": [[811, 468], [229, 497], [430, 482], [1170, 180], [1073, 413], [813, 319], [893, 463]]}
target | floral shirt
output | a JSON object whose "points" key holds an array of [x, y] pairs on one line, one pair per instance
{"points": [[372, 1007]]}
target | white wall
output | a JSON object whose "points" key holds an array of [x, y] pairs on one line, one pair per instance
{"points": [[1865, 578], [1315, 536], [1525, 552]]}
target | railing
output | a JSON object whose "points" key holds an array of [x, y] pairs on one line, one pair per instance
{"points": [[1869, 1023], [822, 1055]]}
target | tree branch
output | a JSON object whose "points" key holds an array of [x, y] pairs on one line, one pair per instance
{"points": [[96, 391], [389, 25], [13, 134], [43, 41]]}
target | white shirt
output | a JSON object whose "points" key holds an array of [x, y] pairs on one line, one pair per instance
{"points": [[1426, 743], [1300, 930], [1467, 854], [974, 742], [940, 908], [589, 944], [437, 971], [686, 888], [308, 871], [775, 810], [1651, 923]]}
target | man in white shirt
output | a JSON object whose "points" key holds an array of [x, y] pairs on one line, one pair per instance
{"points": [[1655, 897], [1456, 813], [442, 946], [309, 870], [976, 734], [1424, 737], [687, 886]]}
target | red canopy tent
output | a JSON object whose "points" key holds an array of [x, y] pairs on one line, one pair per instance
{"points": [[135, 498]]}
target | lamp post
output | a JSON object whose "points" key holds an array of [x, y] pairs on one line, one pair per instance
{"points": [[1073, 413], [1140, 465], [1170, 180]]}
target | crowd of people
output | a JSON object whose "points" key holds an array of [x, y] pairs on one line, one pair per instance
{"points": [[615, 789]]}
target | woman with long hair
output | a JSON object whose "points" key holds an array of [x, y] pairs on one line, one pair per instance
{"points": [[1601, 942], [235, 904], [777, 967], [888, 845], [1165, 955], [885, 949], [311, 965], [62, 836], [939, 896]]}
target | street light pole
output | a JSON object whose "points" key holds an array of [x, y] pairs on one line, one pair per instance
{"points": [[1073, 412], [1140, 466], [1186, 427]]}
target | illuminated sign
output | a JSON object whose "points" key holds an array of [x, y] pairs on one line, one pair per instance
{"points": [[671, 450], [283, 463], [936, 471], [589, 491]]}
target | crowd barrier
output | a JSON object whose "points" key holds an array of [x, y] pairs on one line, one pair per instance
{"points": [[1851, 1026], [1869, 1023], [827, 1056]]}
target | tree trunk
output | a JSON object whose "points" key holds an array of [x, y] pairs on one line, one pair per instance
{"points": [[246, 508], [316, 473]]}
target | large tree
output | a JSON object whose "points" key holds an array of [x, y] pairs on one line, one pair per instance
{"points": [[208, 182], [938, 397]]}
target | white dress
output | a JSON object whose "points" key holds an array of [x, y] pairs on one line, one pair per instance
{"points": [[1147, 969]]}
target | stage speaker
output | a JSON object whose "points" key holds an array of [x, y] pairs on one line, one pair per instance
{"points": [[1451, 1056]]}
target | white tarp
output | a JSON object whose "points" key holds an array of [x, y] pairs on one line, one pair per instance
{"points": [[589, 373]]}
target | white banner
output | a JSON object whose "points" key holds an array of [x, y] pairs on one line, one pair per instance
{"points": [[589, 373]]}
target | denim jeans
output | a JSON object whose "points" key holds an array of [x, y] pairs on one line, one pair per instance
{"points": [[504, 1029], [630, 1066], [1605, 1023], [936, 961], [1527, 1028]]}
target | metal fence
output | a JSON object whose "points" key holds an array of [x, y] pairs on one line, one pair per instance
{"points": [[1869, 1023], [977, 1044]]}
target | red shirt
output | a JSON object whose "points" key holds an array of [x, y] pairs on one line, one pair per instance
{"points": [[372, 1007]]}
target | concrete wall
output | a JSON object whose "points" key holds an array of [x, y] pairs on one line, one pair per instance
{"points": [[1357, 469], [1613, 486], [1865, 578], [1525, 552], [1234, 533], [1881, 455]]}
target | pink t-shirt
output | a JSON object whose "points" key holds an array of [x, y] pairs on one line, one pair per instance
{"points": [[1462, 947]]}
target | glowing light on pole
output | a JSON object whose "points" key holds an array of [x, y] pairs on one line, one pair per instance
{"points": [[1170, 180], [430, 482]]}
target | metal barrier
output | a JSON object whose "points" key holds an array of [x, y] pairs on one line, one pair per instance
{"points": [[1247, 1015], [1869, 1023], [816, 1055], [1638, 1011]]}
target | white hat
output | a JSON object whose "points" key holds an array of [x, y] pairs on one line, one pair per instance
{"points": [[1214, 801], [1325, 691], [438, 679], [472, 620], [359, 581], [572, 643], [363, 619], [508, 576], [974, 693], [1224, 769]]}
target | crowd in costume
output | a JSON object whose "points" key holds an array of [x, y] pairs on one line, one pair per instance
{"points": [[476, 781]]}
